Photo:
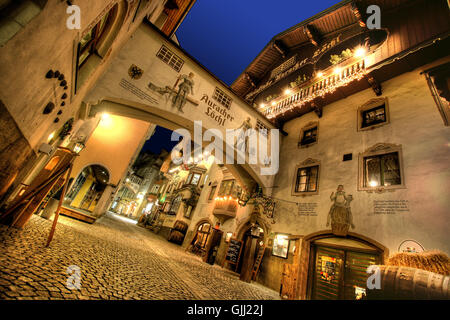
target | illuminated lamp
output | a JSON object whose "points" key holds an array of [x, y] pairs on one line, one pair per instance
{"points": [[78, 147], [360, 52]]}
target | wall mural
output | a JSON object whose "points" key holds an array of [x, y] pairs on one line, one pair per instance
{"points": [[178, 97], [340, 212]]}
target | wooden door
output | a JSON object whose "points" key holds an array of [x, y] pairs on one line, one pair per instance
{"points": [[328, 273], [355, 277]]}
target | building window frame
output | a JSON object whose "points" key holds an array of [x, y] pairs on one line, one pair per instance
{"points": [[170, 58], [308, 127], [212, 192], [221, 97], [379, 150], [372, 105], [307, 164]]}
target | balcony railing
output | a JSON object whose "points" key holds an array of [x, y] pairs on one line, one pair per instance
{"points": [[327, 84]]}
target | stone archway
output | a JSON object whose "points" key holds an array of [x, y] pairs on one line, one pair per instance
{"points": [[246, 174], [307, 257]]}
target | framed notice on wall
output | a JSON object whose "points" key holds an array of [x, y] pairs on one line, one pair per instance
{"points": [[280, 246]]}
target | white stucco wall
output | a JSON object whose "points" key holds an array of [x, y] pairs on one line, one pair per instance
{"points": [[416, 125]]}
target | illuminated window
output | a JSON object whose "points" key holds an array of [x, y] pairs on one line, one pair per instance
{"points": [[380, 167], [373, 114], [170, 58], [309, 134], [222, 98], [306, 178]]}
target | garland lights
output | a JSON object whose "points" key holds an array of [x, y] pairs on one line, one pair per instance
{"points": [[340, 78]]}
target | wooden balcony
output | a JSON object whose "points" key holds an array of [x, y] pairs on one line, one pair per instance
{"points": [[342, 76]]}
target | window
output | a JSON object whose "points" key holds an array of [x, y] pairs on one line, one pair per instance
{"points": [[306, 178], [381, 168], [222, 98], [226, 188], [170, 58], [309, 134], [212, 192], [261, 127], [373, 114], [175, 205], [96, 42], [193, 178]]}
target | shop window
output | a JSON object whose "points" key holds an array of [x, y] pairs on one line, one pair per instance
{"points": [[212, 192], [15, 15], [222, 98], [309, 134], [381, 168], [170, 58], [306, 178], [373, 114]]}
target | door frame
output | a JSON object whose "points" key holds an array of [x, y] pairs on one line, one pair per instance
{"points": [[307, 256]]}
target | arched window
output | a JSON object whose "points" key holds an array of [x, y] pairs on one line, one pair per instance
{"points": [[15, 15], [96, 42]]}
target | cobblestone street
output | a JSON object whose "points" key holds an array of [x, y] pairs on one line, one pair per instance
{"points": [[118, 260]]}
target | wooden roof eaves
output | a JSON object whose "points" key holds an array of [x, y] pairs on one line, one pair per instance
{"points": [[293, 28]]}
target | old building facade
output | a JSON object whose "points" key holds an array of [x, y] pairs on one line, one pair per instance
{"points": [[363, 150]]}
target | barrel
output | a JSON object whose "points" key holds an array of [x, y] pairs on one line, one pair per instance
{"points": [[410, 284]]}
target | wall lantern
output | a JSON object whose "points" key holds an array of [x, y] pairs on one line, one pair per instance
{"points": [[78, 147]]}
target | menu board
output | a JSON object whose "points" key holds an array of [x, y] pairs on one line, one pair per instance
{"points": [[233, 251]]}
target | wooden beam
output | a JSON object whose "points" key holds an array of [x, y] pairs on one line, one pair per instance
{"points": [[359, 14], [376, 86], [250, 80], [318, 109], [279, 46], [313, 34]]}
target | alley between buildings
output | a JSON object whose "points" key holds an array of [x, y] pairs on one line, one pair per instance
{"points": [[117, 260]]}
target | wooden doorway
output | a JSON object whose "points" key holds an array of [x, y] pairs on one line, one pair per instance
{"points": [[339, 268]]}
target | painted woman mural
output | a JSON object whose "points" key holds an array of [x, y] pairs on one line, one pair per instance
{"points": [[340, 213]]}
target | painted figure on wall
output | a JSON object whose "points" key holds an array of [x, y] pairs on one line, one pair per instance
{"points": [[184, 88], [340, 213], [242, 142]]}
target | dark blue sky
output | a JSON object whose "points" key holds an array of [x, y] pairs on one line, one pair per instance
{"points": [[226, 35]]}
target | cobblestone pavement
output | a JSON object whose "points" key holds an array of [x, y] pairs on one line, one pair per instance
{"points": [[118, 260]]}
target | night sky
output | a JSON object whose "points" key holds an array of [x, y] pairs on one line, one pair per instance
{"points": [[159, 140], [225, 36]]}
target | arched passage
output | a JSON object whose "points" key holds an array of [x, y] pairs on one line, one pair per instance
{"points": [[88, 187], [248, 175]]}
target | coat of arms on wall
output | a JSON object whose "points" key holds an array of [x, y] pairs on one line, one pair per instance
{"points": [[340, 213], [135, 72]]}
